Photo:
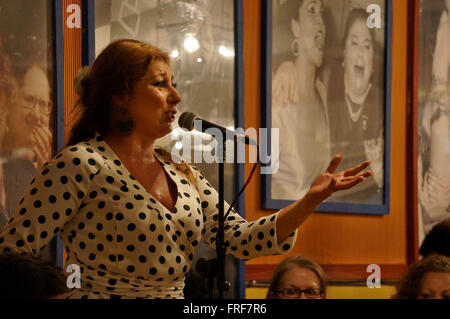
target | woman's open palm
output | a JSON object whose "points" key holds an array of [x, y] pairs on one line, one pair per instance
{"points": [[329, 182]]}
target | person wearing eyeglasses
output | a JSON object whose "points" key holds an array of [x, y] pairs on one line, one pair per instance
{"points": [[297, 277], [15, 174], [29, 136]]}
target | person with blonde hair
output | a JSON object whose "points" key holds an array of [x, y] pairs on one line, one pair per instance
{"points": [[297, 277]]}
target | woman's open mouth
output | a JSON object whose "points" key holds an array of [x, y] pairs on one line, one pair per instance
{"points": [[320, 40]]}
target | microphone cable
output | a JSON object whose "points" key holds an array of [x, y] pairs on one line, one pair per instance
{"points": [[245, 184]]}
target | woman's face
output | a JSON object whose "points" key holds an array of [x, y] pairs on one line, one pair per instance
{"points": [[300, 279], [152, 104], [358, 58], [311, 31], [435, 285]]}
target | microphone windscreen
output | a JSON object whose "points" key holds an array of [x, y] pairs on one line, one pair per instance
{"points": [[186, 120]]}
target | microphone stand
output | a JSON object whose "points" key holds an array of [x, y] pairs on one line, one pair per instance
{"points": [[216, 267], [220, 248]]}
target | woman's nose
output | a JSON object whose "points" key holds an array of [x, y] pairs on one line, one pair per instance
{"points": [[174, 96], [302, 295], [34, 115]]}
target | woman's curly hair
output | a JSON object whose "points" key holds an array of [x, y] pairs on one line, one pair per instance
{"points": [[409, 286]]}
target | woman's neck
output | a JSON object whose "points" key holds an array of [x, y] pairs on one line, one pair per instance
{"points": [[132, 148], [306, 77]]}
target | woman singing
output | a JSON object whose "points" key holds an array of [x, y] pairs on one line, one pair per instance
{"points": [[130, 216]]}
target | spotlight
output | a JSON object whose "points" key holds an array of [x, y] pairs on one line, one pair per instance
{"points": [[191, 43]]}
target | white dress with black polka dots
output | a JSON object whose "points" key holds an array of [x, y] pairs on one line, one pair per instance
{"points": [[126, 243]]}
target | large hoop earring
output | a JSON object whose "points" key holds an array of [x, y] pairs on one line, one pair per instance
{"points": [[124, 125], [295, 47]]}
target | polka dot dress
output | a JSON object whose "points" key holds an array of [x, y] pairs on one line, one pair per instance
{"points": [[127, 244]]}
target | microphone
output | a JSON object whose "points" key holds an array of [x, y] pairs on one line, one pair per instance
{"points": [[188, 120]]}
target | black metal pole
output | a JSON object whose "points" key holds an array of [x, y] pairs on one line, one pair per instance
{"points": [[220, 248]]}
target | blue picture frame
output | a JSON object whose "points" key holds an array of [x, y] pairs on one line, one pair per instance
{"points": [[267, 201], [59, 98]]}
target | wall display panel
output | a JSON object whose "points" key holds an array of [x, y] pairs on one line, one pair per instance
{"points": [[432, 126], [202, 39], [326, 89], [28, 96]]}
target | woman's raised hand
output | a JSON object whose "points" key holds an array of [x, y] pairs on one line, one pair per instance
{"points": [[329, 182]]}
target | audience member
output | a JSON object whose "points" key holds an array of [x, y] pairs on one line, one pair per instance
{"points": [[437, 241], [27, 277], [428, 278], [297, 277]]}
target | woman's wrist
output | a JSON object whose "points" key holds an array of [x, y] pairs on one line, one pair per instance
{"points": [[309, 202]]}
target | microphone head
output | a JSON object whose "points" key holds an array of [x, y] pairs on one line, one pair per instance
{"points": [[186, 120]]}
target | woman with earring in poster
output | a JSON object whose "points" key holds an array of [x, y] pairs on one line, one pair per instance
{"points": [[434, 132], [298, 107]]}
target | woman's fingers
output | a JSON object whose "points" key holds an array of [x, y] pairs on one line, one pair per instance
{"points": [[342, 185], [355, 170], [334, 163], [348, 178]]}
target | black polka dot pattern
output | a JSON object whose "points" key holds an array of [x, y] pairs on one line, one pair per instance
{"points": [[123, 239]]}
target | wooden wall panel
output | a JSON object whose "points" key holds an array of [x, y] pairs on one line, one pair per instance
{"points": [[340, 239], [72, 62]]}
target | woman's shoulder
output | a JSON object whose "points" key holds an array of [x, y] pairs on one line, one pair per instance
{"points": [[88, 152], [286, 66]]}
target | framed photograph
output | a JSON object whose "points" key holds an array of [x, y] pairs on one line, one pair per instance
{"points": [[204, 40], [326, 70], [431, 110], [29, 95]]}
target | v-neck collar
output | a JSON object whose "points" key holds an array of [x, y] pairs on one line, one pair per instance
{"points": [[111, 156]]}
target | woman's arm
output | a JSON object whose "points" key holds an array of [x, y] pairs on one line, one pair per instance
{"points": [[49, 202], [291, 217]]}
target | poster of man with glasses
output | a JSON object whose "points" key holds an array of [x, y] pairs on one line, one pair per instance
{"points": [[26, 61]]}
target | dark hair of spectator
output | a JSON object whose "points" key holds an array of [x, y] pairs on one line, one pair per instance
{"points": [[27, 277], [437, 240], [409, 285]]}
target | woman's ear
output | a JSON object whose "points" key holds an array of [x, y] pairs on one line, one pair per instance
{"points": [[118, 100], [295, 28]]}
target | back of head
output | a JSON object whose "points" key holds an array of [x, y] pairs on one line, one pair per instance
{"points": [[289, 263], [27, 277], [409, 285], [437, 241], [114, 73]]}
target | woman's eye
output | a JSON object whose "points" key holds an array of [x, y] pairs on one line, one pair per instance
{"points": [[159, 83]]}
